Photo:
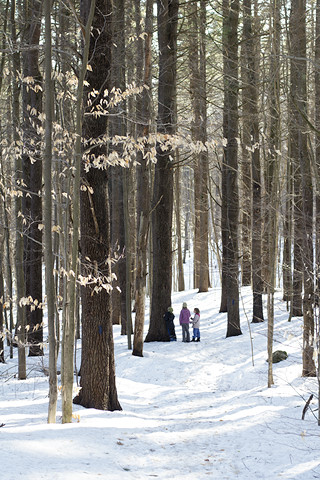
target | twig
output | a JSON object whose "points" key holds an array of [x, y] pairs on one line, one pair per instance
{"points": [[306, 406]]}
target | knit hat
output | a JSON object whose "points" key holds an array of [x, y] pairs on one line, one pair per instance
{"points": [[170, 309], [184, 305]]}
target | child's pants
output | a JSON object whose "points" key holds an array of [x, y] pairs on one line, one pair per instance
{"points": [[196, 333], [185, 332]]}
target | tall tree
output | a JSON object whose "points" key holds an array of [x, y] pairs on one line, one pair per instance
{"points": [[230, 182], [273, 173], [143, 106], [32, 166], [2, 335], [49, 260], [70, 310], [197, 66], [180, 272], [98, 383], [295, 151], [117, 127], [245, 165], [167, 18], [193, 50], [204, 280], [251, 78], [19, 247], [317, 147], [305, 213]]}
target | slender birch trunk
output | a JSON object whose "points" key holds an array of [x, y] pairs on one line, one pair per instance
{"points": [[48, 252]]}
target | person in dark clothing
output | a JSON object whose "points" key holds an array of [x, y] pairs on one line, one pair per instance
{"points": [[168, 317]]}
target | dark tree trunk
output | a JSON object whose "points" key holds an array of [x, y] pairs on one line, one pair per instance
{"points": [[118, 242], [317, 148], [224, 232], [299, 102], [204, 280], [2, 294], [251, 69], [143, 169], [32, 166], [163, 181], [197, 67], [295, 137], [98, 385], [194, 68], [246, 181], [118, 127], [181, 286], [287, 235], [272, 180], [230, 51]]}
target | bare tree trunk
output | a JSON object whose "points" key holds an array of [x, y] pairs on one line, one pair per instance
{"points": [[204, 280], [246, 177], [297, 281], [143, 185], [48, 252], [117, 127], [197, 67], [98, 382], [194, 68], [125, 187], [272, 177], [163, 182], [8, 295], [178, 229], [70, 308], [251, 77], [224, 232], [287, 234], [305, 215], [20, 283], [230, 51], [186, 210], [317, 156], [32, 165], [2, 335]]}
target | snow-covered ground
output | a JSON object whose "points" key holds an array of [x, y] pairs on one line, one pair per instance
{"points": [[190, 411]]}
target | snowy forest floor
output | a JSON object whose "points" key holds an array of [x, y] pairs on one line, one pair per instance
{"points": [[190, 411]]}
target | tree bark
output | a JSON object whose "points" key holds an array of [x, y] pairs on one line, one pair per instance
{"points": [[70, 308], [48, 252], [19, 247], [2, 335], [143, 186], [273, 178], [98, 383], [252, 120], [317, 156], [204, 279], [181, 285], [305, 215], [230, 51], [167, 17], [117, 127], [32, 165]]}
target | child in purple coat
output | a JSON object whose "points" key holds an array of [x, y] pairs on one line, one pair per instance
{"points": [[184, 320]]}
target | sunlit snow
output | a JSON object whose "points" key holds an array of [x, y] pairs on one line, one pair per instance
{"points": [[190, 411]]}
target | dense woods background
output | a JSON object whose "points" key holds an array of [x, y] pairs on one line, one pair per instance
{"points": [[134, 134]]}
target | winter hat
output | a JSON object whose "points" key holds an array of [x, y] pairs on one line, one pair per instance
{"points": [[170, 309], [184, 305]]}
